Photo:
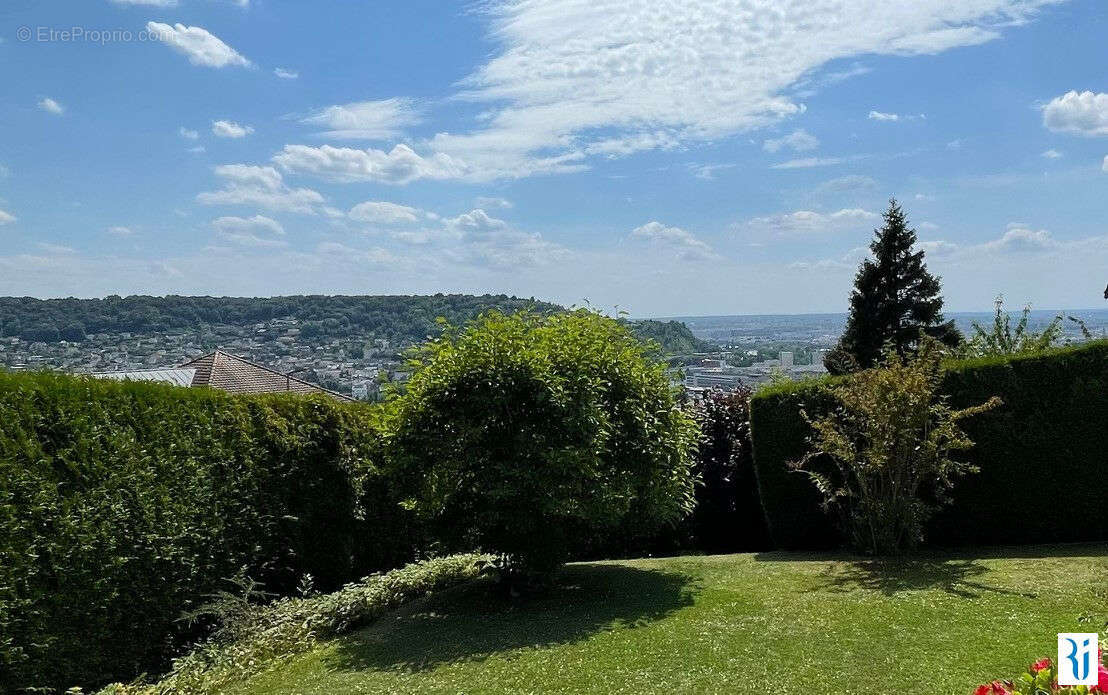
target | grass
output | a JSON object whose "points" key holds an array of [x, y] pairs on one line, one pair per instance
{"points": [[766, 623]]}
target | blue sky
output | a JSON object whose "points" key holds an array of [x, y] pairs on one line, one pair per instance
{"points": [[665, 157]]}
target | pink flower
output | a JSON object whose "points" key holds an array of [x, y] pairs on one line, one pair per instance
{"points": [[1040, 665], [994, 688], [1102, 680]]}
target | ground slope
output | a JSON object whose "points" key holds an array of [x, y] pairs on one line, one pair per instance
{"points": [[768, 623]]}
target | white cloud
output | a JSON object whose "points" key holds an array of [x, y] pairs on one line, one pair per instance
{"points": [[1104, 165], [684, 243], [798, 141], [377, 212], [50, 106], [6, 217], [851, 182], [493, 203], [809, 222], [1052, 154], [347, 165], [259, 223], [937, 248], [808, 163], [267, 177], [1083, 113], [286, 74], [366, 120], [475, 222], [256, 231], [188, 134], [198, 45], [491, 242], [230, 129], [629, 144], [708, 171], [880, 116], [572, 79], [263, 187], [847, 261], [120, 231], [1019, 238]]}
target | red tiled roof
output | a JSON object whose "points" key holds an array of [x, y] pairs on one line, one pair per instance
{"points": [[226, 372]]}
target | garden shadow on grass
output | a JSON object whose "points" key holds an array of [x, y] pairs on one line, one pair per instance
{"points": [[954, 570], [472, 623], [889, 576]]}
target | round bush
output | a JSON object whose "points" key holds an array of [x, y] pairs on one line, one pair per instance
{"points": [[523, 434]]}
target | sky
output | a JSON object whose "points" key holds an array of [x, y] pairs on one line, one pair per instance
{"points": [[664, 157]]}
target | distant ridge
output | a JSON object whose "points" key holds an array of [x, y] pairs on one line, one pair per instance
{"points": [[398, 318]]}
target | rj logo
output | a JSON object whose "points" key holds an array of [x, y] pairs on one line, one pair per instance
{"points": [[1077, 658]]}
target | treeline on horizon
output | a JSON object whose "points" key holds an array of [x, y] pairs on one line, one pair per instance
{"points": [[401, 319]]}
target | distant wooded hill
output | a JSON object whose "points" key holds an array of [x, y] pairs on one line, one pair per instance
{"points": [[401, 319], [674, 336]]}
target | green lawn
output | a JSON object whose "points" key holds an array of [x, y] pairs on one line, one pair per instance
{"points": [[768, 623]]}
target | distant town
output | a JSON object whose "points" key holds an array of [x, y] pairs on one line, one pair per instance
{"points": [[349, 365], [746, 350]]}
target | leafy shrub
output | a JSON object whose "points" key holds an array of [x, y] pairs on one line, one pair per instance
{"points": [[728, 514], [521, 434], [1049, 437], [1041, 678], [889, 439], [252, 637], [1002, 339], [122, 504]]}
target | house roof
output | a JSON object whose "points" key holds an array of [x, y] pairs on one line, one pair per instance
{"points": [[227, 372], [177, 377]]}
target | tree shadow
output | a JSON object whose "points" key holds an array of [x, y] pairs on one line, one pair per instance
{"points": [[472, 623], [954, 570], [890, 576]]}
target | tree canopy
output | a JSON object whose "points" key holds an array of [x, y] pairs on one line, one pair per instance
{"points": [[895, 300], [522, 433]]}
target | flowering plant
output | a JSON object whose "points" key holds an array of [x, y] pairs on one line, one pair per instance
{"points": [[1041, 679]]}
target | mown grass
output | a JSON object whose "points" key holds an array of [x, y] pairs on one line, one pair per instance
{"points": [[767, 623]]}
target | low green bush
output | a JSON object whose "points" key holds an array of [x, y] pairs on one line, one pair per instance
{"points": [[123, 504], [890, 437], [1043, 455], [254, 637], [524, 435]]}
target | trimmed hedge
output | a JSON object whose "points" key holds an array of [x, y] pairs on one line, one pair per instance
{"points": [[123, 504], [1043, 454]]}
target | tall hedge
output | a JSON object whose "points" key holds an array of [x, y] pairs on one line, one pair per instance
{"points": [[122, 504], [1043, 455]]}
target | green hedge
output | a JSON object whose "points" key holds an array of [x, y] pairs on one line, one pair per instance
{"points": [[1043, 455], [123, 504]]}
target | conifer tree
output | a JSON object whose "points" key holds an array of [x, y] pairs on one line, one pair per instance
{"points": [[895, 298]]}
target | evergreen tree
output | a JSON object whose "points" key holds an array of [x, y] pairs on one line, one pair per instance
{"points": [[894, 300]]}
